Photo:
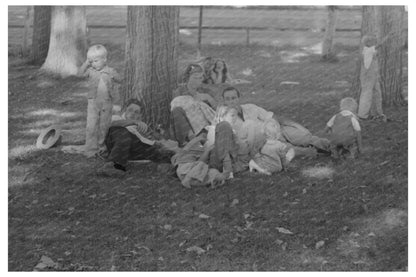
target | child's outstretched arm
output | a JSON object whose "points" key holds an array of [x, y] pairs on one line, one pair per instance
{"points": [[328, 127], [378, 45]]}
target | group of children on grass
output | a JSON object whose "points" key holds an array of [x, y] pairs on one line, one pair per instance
{"points": [[344, 131]]}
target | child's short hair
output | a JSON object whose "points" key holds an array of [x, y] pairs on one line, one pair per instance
{"points": [[369, 38], [135, 102], [97, 50], [348, 104], [222, 111], [271, 129]]}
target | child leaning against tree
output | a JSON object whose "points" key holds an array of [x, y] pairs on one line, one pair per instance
{"points": [[370, 104], [102, 93]]}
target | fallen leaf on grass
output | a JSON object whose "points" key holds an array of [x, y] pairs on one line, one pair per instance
{"points": [[248, 225], [196, 249], [319, 244], [289, 83], [247, 72], [284, 230], [239, 229], [141, 247], [278, 241], [235, 202], [167, 227], [45, 263], [319, 172], [254, 267], [182, 243], [204, 216]]}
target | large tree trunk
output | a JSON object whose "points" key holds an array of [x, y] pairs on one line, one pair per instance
{"points": [[380, 21], [327, 45], [68, 41], [391, 53], [151, 59], [41, 33]]}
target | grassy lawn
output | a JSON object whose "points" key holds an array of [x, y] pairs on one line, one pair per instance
{"points": [[354, 219]]}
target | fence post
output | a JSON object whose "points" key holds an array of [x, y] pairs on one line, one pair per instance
{"points": [[26, 31], [248, 36], [201, 8]]}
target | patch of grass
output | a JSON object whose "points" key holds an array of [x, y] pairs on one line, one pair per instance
{"points": [[84, 221]]}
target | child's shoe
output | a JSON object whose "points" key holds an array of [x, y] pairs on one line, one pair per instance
{"points": [[290, 155], [252, 165]]}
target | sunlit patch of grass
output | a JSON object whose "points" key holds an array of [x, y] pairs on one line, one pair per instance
{"points": [[314, 49], [42, 123], [292, 57], [320, 172], [20, 175], [52, 112], [21, 152]]}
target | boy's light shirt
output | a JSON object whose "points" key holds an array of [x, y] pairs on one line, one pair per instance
{"points": [[368, 53], [354, 121], [254, 112], [198, 113]]}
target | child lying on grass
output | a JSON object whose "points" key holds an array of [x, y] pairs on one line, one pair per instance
{"points": [[275, 155]]}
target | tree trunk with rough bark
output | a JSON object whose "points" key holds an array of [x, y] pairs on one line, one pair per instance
{"points": [[41, 33], [327, 45], [368, 26], [151, 60], [391, 53], [68, 41]]}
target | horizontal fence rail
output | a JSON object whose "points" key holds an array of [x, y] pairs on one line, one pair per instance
{"points": [[254, 28]]}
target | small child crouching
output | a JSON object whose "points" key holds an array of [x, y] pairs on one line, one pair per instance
{"points": [[275, 155], [101, 96], [345, 130]]}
